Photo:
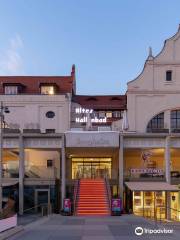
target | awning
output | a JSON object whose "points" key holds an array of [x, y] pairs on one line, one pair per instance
{"points": [[151, 186]]}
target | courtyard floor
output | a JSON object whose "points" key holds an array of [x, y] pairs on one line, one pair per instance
{"points": [[58, 227]]}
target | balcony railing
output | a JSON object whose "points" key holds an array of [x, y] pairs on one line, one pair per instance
{"points": [[35, 171], [157, 130], [10, 173]]}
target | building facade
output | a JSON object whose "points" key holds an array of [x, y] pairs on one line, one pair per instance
{"points": [[52, 136]]}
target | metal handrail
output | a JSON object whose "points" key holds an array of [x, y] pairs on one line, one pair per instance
{"points": [[108, 191], [42, 205], [76, 189]]}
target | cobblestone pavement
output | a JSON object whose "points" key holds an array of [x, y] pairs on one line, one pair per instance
{"points": [[58, 227]]}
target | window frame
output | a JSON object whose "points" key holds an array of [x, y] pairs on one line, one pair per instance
{"points": [[169, 78], [157, 122], [47, 86], [6, 87], [175, 117]]}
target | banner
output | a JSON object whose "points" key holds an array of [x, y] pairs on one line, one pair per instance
{"points": [[116, 205], [67, 205]]}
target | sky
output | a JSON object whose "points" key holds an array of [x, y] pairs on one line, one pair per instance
{"points": [[107, 40]]}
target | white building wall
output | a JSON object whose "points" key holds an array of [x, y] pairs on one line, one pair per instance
{"points": [[29, 112], [36, 161], [150, 93]]}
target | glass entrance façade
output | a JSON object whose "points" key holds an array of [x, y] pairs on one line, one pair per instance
{"points": [[91, 167]]}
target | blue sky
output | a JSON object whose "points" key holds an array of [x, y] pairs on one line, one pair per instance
{"points": [[107, 40]]}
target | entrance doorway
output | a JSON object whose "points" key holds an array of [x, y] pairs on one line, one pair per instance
{"points": [[91, 167], [42, 196], [150, 204]]}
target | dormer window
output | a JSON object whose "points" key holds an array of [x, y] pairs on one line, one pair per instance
{"points": [[13, 89], [168, 76], [48, 89]]}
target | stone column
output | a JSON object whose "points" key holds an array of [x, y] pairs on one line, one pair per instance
{"points": [[63, 171], [121, 167], [21, 175], [167, 120], [168, 176], [167, 159]]}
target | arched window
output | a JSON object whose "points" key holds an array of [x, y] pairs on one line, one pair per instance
{"points": [[175, 119], [156, 123]]}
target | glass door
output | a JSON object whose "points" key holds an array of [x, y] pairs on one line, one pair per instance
{"points": [[94, 170], [87, 170], [160, 205], [91, 168], [149, 204], [175, 210]]}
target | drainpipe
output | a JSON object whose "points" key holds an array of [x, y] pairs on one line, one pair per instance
{"points": [[168, 176], [63, 171], [121, 167]]}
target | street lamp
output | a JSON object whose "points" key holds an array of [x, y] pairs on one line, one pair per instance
{"points": [[3, 110]]}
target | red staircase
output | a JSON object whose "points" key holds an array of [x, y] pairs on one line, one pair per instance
{"points": [[92, 198]]}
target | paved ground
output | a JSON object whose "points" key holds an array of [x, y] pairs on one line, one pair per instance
{"points": [[58, 227], [28, 218]]}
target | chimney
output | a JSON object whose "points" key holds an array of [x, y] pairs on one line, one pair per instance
{"points": [[73, 70]]}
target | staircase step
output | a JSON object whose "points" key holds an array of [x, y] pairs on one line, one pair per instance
{"points": [[92, 198]]}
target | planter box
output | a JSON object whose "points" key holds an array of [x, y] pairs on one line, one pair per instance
{"points": [[8, 223]]}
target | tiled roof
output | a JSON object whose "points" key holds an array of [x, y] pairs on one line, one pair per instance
{"points": [[32, 83], [101, 102]]}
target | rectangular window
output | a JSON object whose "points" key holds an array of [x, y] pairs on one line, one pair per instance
{"points": [[50, 130], [117, 114], [49, 163], [168, 76], [48, 90], [175, 119], [101, 114], [11, 90], [109, 114]]}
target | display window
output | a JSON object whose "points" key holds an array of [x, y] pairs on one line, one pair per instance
{"points": [[149, 204]]}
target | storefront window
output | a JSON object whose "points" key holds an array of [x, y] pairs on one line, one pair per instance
{"points": [[160, 205], [175, 206], [149, 204], [138, 203]]}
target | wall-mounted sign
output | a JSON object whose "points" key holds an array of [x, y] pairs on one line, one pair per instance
{"points": [[146, 170], [86, 116], [83, 110], [145, 156], [93, 120], [92, 139]]}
